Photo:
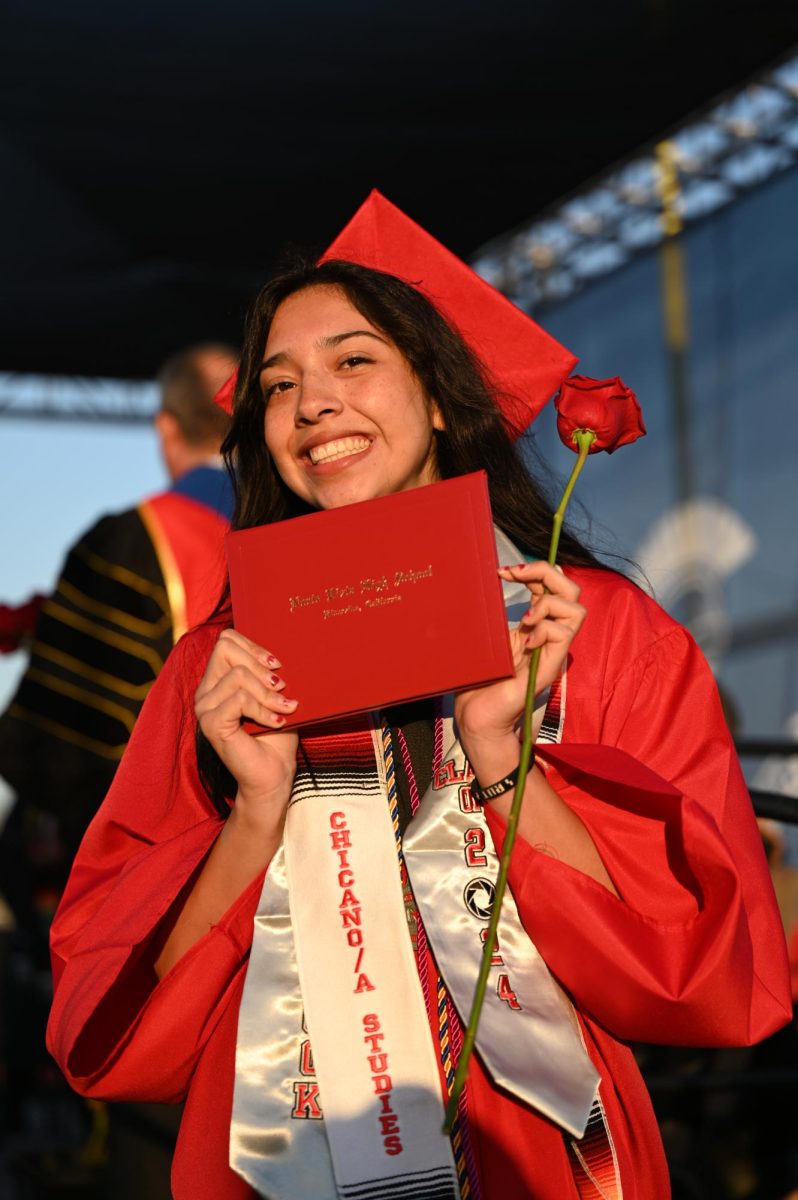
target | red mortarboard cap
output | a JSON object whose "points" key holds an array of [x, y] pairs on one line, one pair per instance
{"points": [[224, 397], [525, 363]]}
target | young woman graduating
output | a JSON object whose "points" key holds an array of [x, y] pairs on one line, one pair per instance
{"points": [[195, 951]]}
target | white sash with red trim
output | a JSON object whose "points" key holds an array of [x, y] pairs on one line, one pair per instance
{"points": [[528, 1034], [346, 951]]}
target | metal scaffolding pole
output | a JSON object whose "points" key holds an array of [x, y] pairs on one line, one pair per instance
{"points": [[74, 399]]}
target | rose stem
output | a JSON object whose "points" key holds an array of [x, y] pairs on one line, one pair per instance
{"points": [[584, 438]]}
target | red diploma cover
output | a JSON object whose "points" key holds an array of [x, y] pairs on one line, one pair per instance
{"points": [[376, 603]]}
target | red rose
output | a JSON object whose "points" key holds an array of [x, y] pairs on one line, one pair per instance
{"points": [[607, 407]]}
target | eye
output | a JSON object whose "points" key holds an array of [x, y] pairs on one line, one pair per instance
{"points": [[279, 386], [355, 360]]}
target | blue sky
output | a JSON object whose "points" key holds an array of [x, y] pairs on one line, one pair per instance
{"points": [[56, 479]]}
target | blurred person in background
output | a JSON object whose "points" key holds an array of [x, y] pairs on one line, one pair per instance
{"points": [[130, 586]]}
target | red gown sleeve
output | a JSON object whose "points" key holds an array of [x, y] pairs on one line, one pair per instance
{"points": [[692, 953], [115, 1030]]}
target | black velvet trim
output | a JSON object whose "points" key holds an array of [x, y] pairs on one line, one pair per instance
{"points": [[416, 720]]}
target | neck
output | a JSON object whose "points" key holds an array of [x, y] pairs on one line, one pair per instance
{"points": [[189, 459]]}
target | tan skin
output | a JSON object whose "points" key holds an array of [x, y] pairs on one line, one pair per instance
{"points": [[320, 391]]}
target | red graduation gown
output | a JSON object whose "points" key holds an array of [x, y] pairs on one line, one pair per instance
{"points": [[691, 953]]}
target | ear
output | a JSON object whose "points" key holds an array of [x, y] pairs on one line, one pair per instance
{"points": [[437, 418], [166, 425]]}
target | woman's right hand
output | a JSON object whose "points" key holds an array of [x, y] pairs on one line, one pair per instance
{"points": [[240, 681]]}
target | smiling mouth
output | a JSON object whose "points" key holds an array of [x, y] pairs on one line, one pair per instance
{"points": [[340, 448]]}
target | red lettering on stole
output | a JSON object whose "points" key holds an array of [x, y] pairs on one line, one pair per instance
{"points": [[383, 1085], [306, 1102]]}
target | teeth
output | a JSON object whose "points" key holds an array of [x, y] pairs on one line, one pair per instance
{"points": [[338, 449]]}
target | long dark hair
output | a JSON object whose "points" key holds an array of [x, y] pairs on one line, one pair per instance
{"points": [[474, 437]]}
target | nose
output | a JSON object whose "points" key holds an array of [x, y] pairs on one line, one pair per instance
{"points": [[316, 398]]}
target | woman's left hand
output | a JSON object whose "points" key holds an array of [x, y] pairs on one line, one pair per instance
{"points": [[552, 622]]}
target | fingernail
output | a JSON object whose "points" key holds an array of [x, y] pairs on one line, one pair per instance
{"points": [[278, 720], [271, 661], [275, 680], [286, 703]]}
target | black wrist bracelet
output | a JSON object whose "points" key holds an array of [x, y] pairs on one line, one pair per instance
{"points": [[482, 795]]}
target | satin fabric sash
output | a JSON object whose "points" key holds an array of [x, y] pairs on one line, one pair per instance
{"points": [[352, 962], [277, 1137], [528, 1035]]}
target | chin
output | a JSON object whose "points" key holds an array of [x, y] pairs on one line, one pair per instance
{"points": [[341, 501], [349, 492]]}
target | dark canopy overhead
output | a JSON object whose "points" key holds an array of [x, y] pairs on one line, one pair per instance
{"points": [[156, 155]]}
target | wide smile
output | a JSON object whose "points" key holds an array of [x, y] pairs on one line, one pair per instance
{"points": [[335, 451]]}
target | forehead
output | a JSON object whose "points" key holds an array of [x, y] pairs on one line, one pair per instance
{"points": [[315, 312]]}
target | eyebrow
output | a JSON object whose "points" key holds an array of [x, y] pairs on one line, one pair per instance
{"points": [[324, 343]]}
